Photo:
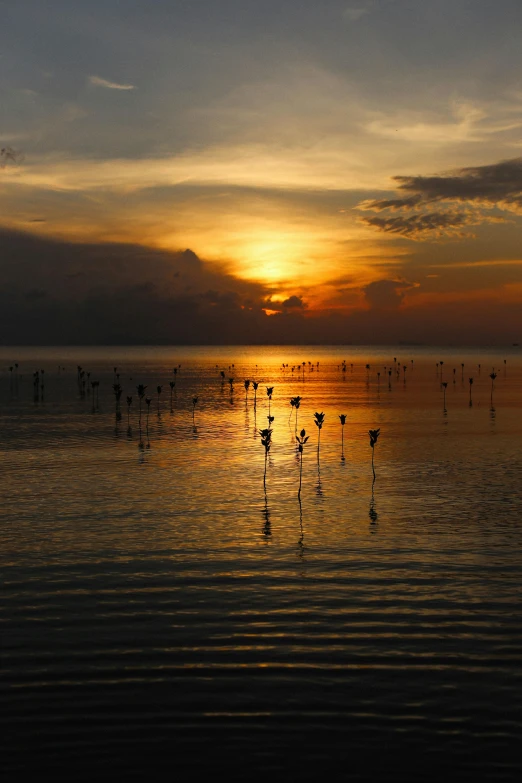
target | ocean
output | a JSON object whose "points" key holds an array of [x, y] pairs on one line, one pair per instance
{"points": [[169, 606]]}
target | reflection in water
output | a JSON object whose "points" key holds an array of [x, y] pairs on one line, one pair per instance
{"points": [[300, 543], [267, 530], [319, 485], [191, 608], [372, 513]]}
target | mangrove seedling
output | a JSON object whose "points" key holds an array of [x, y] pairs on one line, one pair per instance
{"points": [[342, 418], [141, 394], [470, 385], [129, 403], [444, 386], [374, 434], [194, 403], [492, 375], [297, 405], [247, 387], [172, 385], [255, 384], [266, 442], [269, 392], [319, 421], [158, 392], [301, 440]]}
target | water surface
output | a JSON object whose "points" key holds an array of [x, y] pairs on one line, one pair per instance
{"points": [[160, 608]]}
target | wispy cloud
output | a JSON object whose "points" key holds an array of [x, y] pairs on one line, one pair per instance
{"points": [[98, 82], [432, 224]]}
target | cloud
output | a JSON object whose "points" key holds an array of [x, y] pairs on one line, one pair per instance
{"points": [[434, 224], [98, 82], [293, 302], [469, 194], [386, 294], [56, 293], [490, 184]]}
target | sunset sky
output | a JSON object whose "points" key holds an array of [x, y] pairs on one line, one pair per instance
{"points": [[237, 171]]}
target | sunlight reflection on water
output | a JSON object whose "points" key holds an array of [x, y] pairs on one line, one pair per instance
{"points": [[154, 599]]}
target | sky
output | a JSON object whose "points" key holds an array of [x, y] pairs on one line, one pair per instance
{"points": [[230, 171]]}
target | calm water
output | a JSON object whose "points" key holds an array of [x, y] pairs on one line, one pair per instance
{"points": [[160, 610]]}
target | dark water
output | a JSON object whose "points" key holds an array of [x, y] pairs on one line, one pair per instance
{"points": [[162, 614]]}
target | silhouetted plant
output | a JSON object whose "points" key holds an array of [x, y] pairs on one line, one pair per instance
{"points": [[470, 385], [117, 395], [301, 440], [342, 418], [141, 394], [158, 392], [269, 392], [129, 403], [444, 386], [266, 442], [255, 385], [247, 387], [231, 382], [172, 385], [374, 434], [492, 375], [297, 405], [194, 403], [148, 401], [319, 421]]}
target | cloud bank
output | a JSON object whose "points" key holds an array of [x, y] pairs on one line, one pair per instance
{"points": [[56, 293]]}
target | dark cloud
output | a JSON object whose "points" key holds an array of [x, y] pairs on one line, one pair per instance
{"points": [[79, 293], [386, 294], [293, 302], [413, 225], [492, 184], [470, 192], [56, 293]]}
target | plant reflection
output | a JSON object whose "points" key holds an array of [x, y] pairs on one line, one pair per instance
{"points": [[372, 513], [267, 528], [300, 543]]}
